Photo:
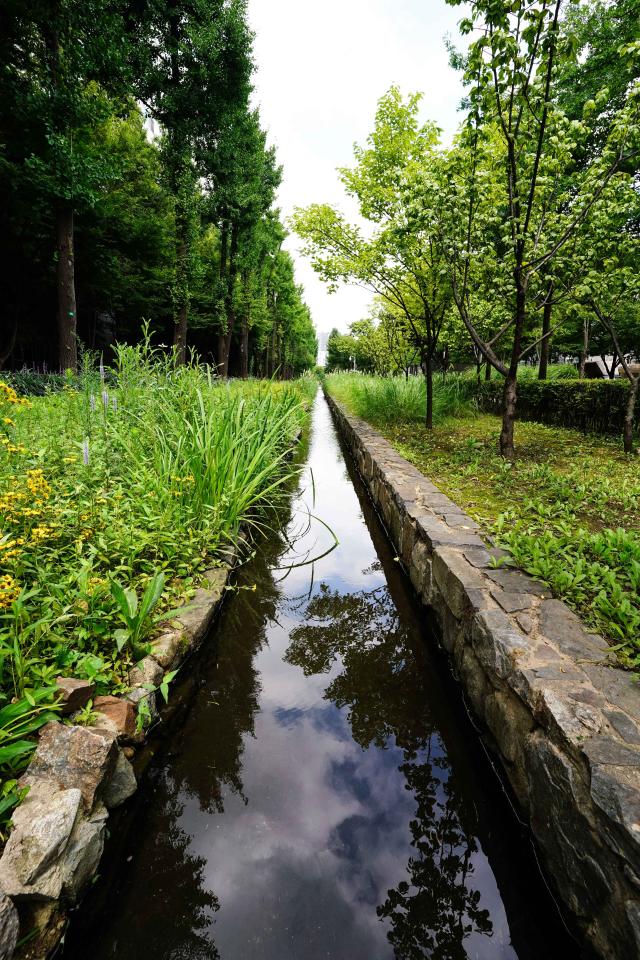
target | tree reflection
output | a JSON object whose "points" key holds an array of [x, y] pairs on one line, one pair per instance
{"points": [[379, 683]]}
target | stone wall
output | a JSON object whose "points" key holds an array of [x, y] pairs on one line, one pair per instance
{"points": [[563, 719]]}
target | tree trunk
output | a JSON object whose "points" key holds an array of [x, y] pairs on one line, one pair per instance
{"points": [[428, 376], [244, 335], [183, 186], [181, 316], [67, 321], [7, 349], [221, 340], [507, 448], [545, 346], [229, 304], [487, 371], [584, 353], [630, 415]]}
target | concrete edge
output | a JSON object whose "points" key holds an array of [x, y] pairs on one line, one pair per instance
{"points": [[563, 719]]}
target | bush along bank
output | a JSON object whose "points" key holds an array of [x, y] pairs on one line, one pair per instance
{"points": [[597, 406], [563, 720], [119, 503]]}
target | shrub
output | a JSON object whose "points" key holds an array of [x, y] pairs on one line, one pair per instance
{"points": [[589, 405]]}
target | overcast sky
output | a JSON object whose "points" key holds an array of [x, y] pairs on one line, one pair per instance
{"points": [[321, 68]]}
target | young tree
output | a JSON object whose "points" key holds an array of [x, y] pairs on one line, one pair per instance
{"points": [[512, 71], [399, 258]]}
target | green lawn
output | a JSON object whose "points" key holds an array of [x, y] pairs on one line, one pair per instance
{"points": [[568, 508]]}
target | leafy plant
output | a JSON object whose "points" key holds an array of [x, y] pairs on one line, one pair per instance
{"points": [[136, 615]]}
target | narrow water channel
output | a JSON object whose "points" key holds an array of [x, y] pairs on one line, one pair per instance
{"points": [[325, 795]]}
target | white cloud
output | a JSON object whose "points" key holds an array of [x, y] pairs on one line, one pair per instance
{"points": [[321, 70]]}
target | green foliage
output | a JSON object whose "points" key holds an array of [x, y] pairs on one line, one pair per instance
{"points": [[135, 615], [388, 400], [597, 405], [567, 508], [19, 721], [116, 493]]}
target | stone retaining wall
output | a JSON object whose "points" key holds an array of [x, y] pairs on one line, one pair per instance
{"points": [[563, 719]]}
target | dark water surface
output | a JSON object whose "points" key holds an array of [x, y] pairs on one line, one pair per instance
{"points": [[325, 795]]}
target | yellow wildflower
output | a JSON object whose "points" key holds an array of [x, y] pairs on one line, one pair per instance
{"points": [[9, 591]]}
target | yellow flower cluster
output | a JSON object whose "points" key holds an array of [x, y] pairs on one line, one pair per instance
{"points": [[8, 395], [9, 548], [9, 591], [12, 447], [44, 532], [38, 486]]}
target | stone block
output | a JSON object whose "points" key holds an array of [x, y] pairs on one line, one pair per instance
{"points": [[436, 533], [619, 686], [514, 581], [407, 540], [616, 792], [115, 714], [624, 726], [42, 826], [121, 785], [560, 625], [147, 672], [75, 758], [217, 579], [499, 646], [570, 847], [512, 602], [198, 616], [455, 578], [82, 854], [474, 681], [418, 567], [170, 648], [74, 694], [9, 927], [510, 723], [137, 694], [564, 713]]}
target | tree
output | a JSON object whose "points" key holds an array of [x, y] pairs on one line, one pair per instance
{"points": [[400, 258], [243, 178], [512, 71], [194, 75], [64, 60]]}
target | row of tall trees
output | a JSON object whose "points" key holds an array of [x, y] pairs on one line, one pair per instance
{"points": [[137, 185], [525, 231]]}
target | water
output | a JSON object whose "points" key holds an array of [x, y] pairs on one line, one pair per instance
{"points": [[324, 795]]}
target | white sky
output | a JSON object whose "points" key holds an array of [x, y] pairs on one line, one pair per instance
{"points": [[321, 68]]}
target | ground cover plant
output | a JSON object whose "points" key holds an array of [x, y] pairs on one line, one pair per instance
{"points": [[567, 508], [115, 494]]}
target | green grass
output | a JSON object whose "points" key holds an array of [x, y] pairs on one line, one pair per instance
{"points": [[396, 399], [567, 509], [128, 485]]}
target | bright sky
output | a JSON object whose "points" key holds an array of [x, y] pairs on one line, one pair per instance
{"points": [[321, 69]]}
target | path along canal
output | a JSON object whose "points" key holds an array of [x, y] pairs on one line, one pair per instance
{"points": [[324, 794]]}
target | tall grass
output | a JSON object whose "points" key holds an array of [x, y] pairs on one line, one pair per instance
{"points": [[396, 399], [148, 467]]}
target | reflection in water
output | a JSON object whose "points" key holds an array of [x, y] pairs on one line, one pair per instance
{"points": [[438, 907], [323, 797]]}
